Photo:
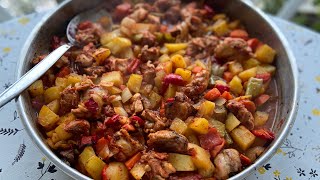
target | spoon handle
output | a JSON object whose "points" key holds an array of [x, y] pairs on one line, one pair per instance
{"points": [[32, 75]]}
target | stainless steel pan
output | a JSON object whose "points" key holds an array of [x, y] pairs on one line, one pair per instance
{"points": [[257, 23]]}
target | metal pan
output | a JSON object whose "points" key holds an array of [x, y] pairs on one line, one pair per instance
{"points": [[258, 25]]}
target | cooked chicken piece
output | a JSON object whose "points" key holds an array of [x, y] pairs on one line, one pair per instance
{"points": [[153, 122], [160, 168], [78, 127], [168, 141], [233, 48], [242, 113], [197, 86], [181, 107], [226, 162], [70, 99]]}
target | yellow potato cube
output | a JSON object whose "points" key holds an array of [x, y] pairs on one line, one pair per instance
{"points": [[181, 162], [62, 134], [260, 118], [174, 47], [220, 28], [219, 16], [247, 74], [36, 89], [47, 118], [170, 92], [107, 37], [242, 137], [266, 68], [178, 61], [236, 24], [67, 118], [114, 76], [164, 58], [54, 106], [231, 122], [192, 137], [236, 85], [138, 171], [126, 95], [199, 125], [206, 109], [94, 167], [52, 93], [121, 111], [86, 154], [167, 66], [117, 171], [178, 126], [73, 79], [117, 44], [235, 68], [265, 54], [101, 54], [61, 82], [134, 82], [250, 63], [201, 160], [184, 73], [154, 99]]}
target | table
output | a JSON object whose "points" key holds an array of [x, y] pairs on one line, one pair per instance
{"points": [[298, 158]]}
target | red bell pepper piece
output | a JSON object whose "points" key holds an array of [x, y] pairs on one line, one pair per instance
{"points": [[133, 160], [138, 120], [260, 100], [264, 134], [212, 95], [254, 43], [245, 161], [85, 25]]}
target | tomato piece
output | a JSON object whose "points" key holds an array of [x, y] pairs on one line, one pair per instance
{"points": [[249, 105], [210, 140], [215, 151], [254, 43], [64, 72], [227, 76], [265, 77], [227, 95], [260, 100], [92, 106], [264, 134], [112, 121], [174, 79], [196, 69], [138, 120], [104, 173], [85, 25], [222, 88], [212, 94], [133, 160], [239, 33], [132, 67], [245, 161]]}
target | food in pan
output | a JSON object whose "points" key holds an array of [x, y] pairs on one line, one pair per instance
{"points": [[173, 91]]}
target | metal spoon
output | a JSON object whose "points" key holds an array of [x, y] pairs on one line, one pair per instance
{"points": [[43, 66]]}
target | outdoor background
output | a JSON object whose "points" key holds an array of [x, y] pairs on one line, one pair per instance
{"points": [[303, 12]]}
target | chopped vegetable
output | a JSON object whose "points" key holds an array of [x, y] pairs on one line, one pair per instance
{"points": [[174, 47], [114, 76], [212, 95], [179, 126], [52, 93], [36, 89], [260, 100], [133, 160], [115, 171], [206, 109], [260, 118], [236, 85], [265, 54], [264, 134], [47, 118], [232, 122], [184, 73], [239, 33], [181, 162], [178, 61], [247, 74], [242, 137], [134, 82], [199, 125], [254, 87]]}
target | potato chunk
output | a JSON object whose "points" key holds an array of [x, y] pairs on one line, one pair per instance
{"points": [[199, 125], [52, 93], [94, 167], [181, 162], [116, 171], [242, 137], [201, 159], [114, 76], [47, 118], [265, 54], [134, 82], [36, 89]]}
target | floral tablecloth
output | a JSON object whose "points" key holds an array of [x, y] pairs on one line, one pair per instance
{"points": [[298, 158]]}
